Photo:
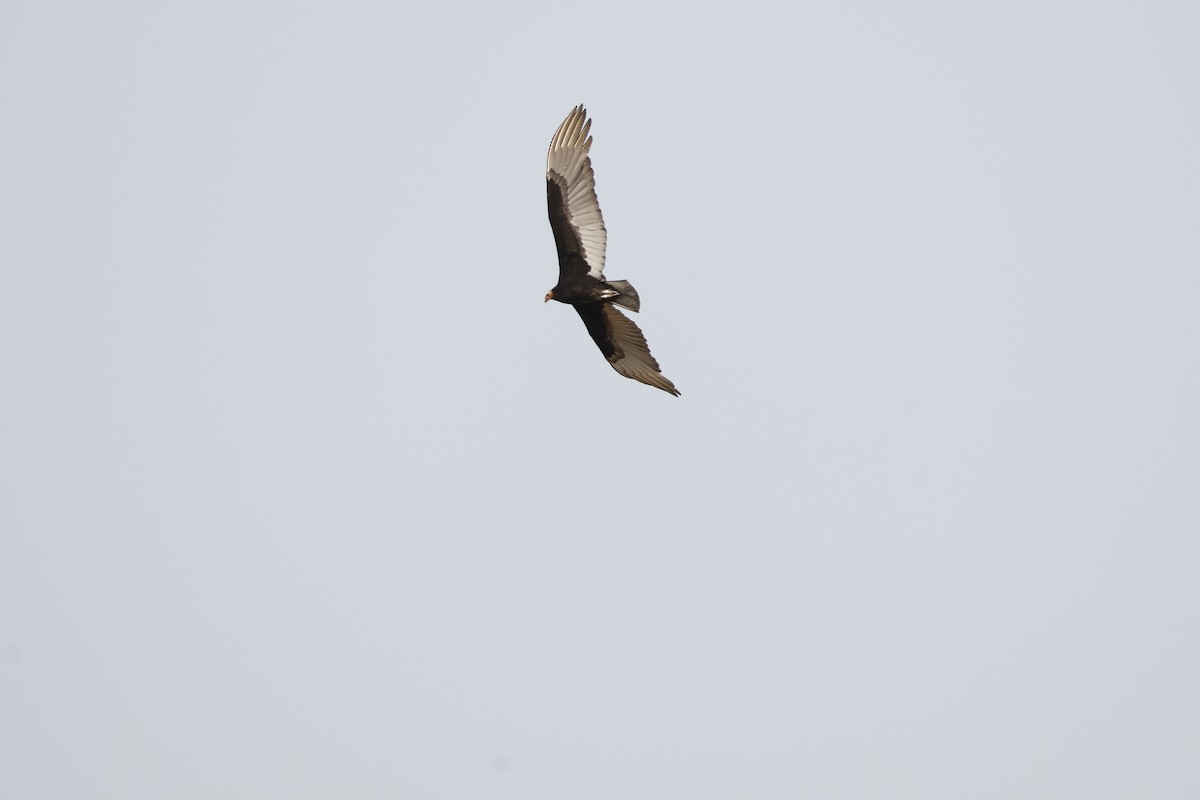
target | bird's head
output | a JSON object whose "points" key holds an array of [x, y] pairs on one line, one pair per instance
{"points": [[549, 296]]}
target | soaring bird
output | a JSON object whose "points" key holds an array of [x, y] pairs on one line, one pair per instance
{"points": [[581, 237]]}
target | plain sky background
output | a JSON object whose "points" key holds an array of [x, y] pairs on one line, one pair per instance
{"points": [[304, 492]]}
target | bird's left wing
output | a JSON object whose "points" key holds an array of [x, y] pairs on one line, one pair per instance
{"points": [[571, 195], [622, 343]]}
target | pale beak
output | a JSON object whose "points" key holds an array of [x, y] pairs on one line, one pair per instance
{"points": [[549, 296]]}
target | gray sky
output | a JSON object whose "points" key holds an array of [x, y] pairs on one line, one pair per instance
{"points": [[304, 492]]}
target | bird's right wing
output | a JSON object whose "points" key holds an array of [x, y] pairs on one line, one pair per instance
{"points": [[622, 343], [575, 215]]}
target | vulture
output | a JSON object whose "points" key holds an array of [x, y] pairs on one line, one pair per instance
{"points": [[581, 237]]}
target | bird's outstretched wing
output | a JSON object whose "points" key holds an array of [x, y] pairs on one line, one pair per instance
{"points": [[622, 343], [571, 195]]}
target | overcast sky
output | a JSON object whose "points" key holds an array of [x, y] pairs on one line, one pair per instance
{"points": [[305, 493]]}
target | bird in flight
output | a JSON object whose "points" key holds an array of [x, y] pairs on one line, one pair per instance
{"points": [[581, 238]]}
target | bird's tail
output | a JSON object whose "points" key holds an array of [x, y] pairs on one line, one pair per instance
{"points": [[627, 296]]}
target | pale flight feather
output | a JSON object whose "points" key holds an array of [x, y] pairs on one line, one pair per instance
{"points": [[568, 165]]}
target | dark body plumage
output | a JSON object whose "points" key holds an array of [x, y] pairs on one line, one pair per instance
{"points": [[581, 239]]}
